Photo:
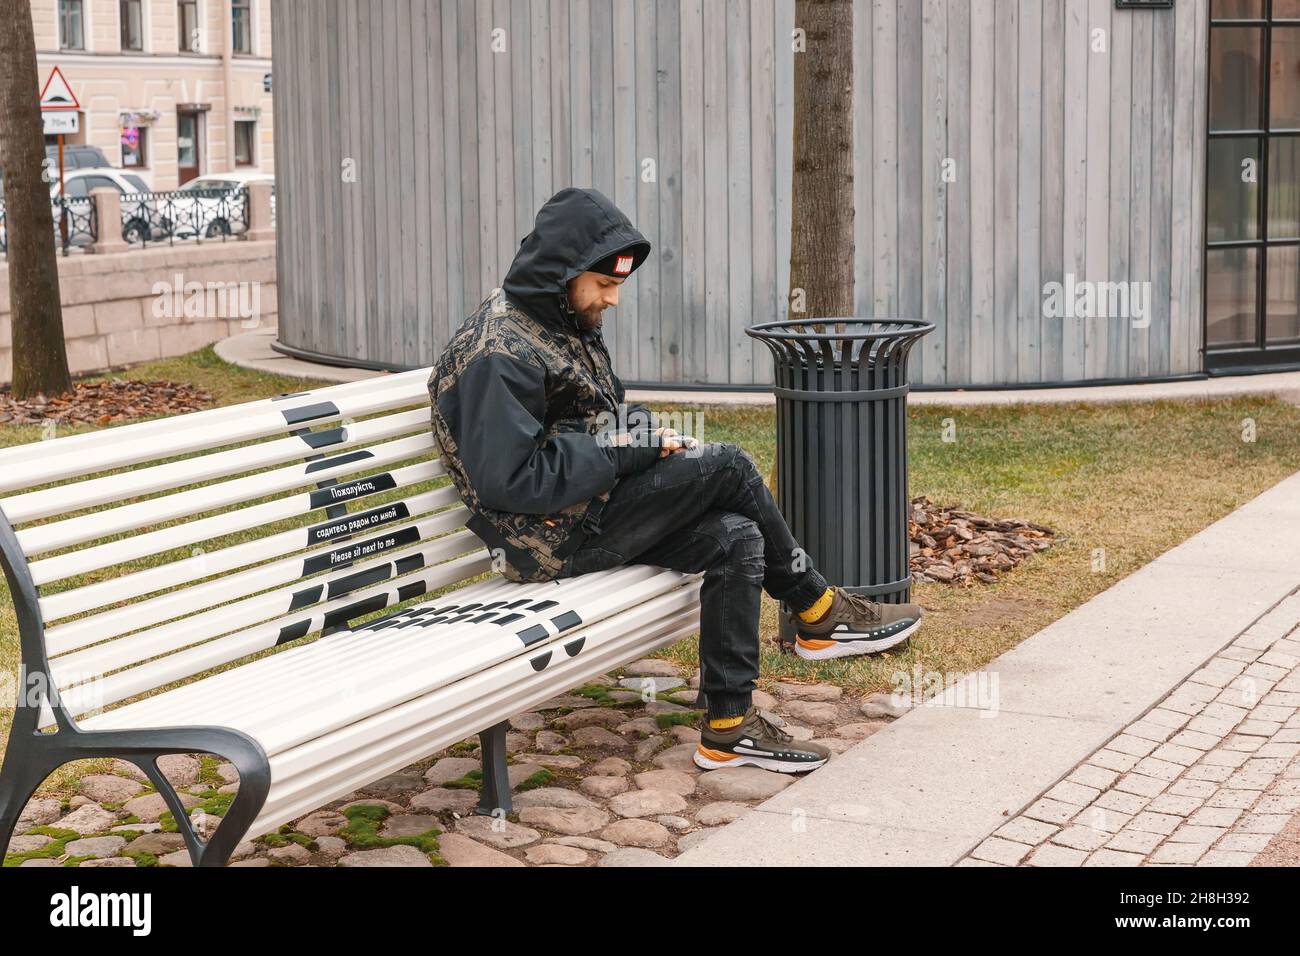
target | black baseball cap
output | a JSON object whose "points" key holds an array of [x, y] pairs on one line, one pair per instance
{"points": [[621, 264]]}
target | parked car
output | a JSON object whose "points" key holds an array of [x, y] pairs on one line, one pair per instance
{"points": [[136, 218], [214, 211], [140, 217], [75, 156]]}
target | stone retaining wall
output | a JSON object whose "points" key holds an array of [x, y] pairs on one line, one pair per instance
{"points": [[113, 314]]}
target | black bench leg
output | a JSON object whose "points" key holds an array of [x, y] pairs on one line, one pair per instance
{"points": [[30, 758], [494, 795]]}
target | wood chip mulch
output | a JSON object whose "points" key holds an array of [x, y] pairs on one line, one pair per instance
{"points": [[956, 547], [104, 403]]}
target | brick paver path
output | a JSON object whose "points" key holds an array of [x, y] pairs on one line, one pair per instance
{"points": [[1205, 778]]}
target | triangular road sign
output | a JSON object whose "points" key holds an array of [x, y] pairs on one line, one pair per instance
{"points": [[56, 94]]}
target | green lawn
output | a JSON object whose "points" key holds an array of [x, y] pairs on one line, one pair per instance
{"points": [[1132, 479]]}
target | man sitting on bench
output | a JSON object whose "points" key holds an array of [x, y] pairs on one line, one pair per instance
{"points": [[523, 401]]}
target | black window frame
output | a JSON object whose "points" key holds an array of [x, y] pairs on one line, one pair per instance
{"points": [[1259, 354]]}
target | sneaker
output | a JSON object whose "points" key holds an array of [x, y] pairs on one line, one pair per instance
{"points": [[757, 741], [855, 625]]}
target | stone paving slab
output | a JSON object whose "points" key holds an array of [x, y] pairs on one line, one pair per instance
{"points": [[780, 839], [1191, 620]]}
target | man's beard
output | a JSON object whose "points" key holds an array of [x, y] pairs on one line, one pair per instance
{"points": [[589, 319]]}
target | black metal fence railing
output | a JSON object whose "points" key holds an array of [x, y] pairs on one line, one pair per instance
{"points": [[196, 214], [187, 214], [75, 224]]}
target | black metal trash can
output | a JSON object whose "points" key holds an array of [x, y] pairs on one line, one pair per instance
{"points": [[841, 448]]}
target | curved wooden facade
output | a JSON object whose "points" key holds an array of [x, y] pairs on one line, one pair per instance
{"points": [[999, 151]]}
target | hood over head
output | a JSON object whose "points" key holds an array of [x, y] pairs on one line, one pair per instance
{"points": [[574, 230]]}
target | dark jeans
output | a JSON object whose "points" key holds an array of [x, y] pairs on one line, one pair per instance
{"points": [[708, 511]]}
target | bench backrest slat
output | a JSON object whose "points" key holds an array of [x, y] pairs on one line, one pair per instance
{"points": [[58, 464], [66, 498], [206, 529], [218, 495], [161, 430], [89, 661], [177, 599], [222, 604]]}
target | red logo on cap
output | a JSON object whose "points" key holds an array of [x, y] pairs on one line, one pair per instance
{"points": [[623, 265]]}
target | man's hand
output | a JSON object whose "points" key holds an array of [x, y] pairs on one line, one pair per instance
{"points": [[670, 440]]}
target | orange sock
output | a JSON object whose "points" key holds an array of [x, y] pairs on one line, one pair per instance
{"points": [[723, 723]]}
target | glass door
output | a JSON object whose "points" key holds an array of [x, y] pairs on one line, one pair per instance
{"points": [[1252, 191], [187, 145]]}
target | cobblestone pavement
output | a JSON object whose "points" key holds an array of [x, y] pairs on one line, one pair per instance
{"points": [[1208, 777], [602, 776]]}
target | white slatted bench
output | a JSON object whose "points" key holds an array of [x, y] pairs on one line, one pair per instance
{"points": [[145, 560]]}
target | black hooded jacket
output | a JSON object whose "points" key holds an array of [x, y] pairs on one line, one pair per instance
{"points": [[521, 398]]}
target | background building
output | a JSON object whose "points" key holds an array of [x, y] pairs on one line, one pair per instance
{"points": [[1003, 149], [169, 88]]}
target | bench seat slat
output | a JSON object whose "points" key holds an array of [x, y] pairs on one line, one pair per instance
{"points": [[361, 672], [333, 765], [66, 498], [162, 429]]}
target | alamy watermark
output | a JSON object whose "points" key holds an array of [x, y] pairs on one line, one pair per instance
{"points": [[31, 688], [77, 908], [918, 688], [208, 300], [1085, 299], [687, 428]]}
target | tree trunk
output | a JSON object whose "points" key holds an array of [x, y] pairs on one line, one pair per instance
{"points": [[40, 360], [821, 247]]}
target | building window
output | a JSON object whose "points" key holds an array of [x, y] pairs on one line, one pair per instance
{"points": [[188, 144], [241, 26], [1252, 216], [245, 142], [187, 26], [132, 27], [133, 146], [70, 21]]}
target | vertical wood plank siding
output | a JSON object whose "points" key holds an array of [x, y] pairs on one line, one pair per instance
{"points": [[417, 139]]}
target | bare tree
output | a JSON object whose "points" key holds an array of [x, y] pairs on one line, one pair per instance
{"points": [[821, 247], [40, 360]]}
